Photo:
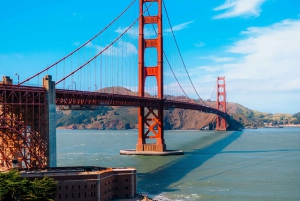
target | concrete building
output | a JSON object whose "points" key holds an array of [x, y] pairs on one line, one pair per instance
{"points": [[89, 183]]}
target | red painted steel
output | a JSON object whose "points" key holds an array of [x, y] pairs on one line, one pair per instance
{"points": [[23, 127], [221, 103], [150, 119]]}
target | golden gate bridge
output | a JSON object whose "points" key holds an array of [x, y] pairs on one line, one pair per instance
{"points": [[138, 56]]}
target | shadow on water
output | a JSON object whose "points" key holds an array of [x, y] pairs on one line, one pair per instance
{"points": [[174, 171]]}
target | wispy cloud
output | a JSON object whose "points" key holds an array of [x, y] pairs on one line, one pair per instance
{"points": [[200, 44], [76, 43], [120, 48], [133, 32], [263, 65], [236, 8], [218, 59], [180, 26]]}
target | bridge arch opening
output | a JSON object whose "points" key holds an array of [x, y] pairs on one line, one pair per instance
{"points": [[150, 31]]}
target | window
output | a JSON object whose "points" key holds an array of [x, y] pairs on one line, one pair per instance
{"points": [[72, 187], [59, 196], [116, 180], [127, 195], [126, 187], [78, 195], [66, 187], [91, 186], [78, 186], [66, 196], [84, 186], [72, 195], [116, 196], [59, 187], [104, 192], [116, 188], [126, 180], [85, 195], [94, 194]]}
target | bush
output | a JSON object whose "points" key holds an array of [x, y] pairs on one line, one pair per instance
{"points": [[13, 187]]}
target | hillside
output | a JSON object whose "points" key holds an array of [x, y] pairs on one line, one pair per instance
{"points": [[108, 117]]}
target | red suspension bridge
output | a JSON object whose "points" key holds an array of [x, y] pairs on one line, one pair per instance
{"points": [[134, 56]]}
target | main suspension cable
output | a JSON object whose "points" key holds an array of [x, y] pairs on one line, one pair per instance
{"points": [[104, 48], [79, 46], [181, 54], [170, 64]]}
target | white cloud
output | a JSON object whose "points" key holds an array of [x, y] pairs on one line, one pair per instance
{"points": [[218, 59], [264, 74], [179, 26], [76, 43], [133, 32], [200, 44], [120, 48], [236, 8], [268, 55]]}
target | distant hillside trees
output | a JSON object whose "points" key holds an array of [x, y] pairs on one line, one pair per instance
{"points": [[80, 116], [13, 187], [297, 115]]}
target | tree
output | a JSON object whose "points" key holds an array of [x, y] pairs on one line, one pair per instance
{"points": [[13, 187]]}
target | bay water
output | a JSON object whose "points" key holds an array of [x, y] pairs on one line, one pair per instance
{"points": [[261, 164]]}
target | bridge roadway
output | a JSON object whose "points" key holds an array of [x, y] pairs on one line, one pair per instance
{"points": [[86, 98], [18, 95]]}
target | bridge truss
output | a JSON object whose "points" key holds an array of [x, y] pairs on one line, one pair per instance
{"points": [[23, 126]]}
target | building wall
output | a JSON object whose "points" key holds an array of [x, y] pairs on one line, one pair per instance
{"points": [[101, 185]]}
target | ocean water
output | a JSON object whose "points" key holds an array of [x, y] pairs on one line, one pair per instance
{"points": [[262, 164]]}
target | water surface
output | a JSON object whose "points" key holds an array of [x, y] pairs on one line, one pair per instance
{"points": [[260, 164]]}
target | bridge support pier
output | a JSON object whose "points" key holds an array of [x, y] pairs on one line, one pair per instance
{"points": [[154, 126], [51, 118]]}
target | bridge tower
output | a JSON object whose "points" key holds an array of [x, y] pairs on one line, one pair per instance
{"points": [[221, 103], [150, 116]]}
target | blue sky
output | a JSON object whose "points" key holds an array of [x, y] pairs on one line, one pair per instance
{"points": [[254, 43]]}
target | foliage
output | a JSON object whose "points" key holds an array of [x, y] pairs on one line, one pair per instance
{"points": [[13, 187], [80, 116], [297, 115]]}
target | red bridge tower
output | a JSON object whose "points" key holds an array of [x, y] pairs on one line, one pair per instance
{"points": [[221, 103], [151, 117]]}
